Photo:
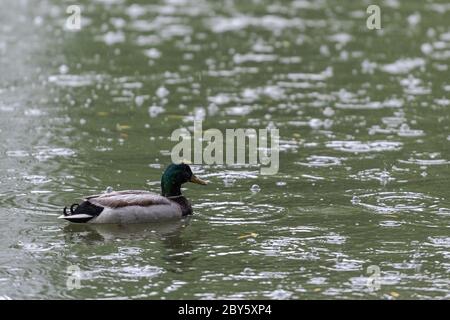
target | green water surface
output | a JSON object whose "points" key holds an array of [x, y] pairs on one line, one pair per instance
{"points": [[364, 148]]}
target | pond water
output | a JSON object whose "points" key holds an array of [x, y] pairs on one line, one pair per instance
{"points": [[358, 209]]}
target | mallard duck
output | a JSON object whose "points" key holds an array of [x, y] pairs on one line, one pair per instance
{"points": [[138, 206]]}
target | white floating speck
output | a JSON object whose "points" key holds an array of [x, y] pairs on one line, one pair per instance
{"points": [[111, 38], [154, 111], [38, 21], [328, 112], [162, 92], [403, 65], [385, 177], [63, 69], [356, 200], [152, 53], [414, 19], [139, 100], [315, 123], [426, 48]]}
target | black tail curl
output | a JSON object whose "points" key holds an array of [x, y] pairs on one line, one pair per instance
{"points": [[72, 209], [83, 208]]}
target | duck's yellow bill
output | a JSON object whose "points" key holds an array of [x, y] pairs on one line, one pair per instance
{"points": [[196, 180]]}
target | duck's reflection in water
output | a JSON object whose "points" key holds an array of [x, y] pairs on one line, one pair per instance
{"points": [[92, 233], [176, 250]]}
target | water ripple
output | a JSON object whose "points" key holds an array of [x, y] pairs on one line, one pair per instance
{"points": [[396, 202], [321, 161], [359, 146]]}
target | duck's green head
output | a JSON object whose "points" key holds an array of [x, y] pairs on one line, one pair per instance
{"points": [[174, 176]]}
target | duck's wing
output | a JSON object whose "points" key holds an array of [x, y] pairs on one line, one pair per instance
{"points": [[127, 198], [115, 193]]}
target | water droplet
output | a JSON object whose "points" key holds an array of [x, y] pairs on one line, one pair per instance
{"points": [[248, 271], [356, 200], [328, 112], [426, 48], [228, 181], [162, 92], [404, 127], [281, 183], [414, 19], [154, 111], [38, 20], [315, 123], [139, 100], [384, 177], [213, 109], [255, 188], [271, 125], [63, 69], [153, 53], [109, 189], [324, 50]]}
